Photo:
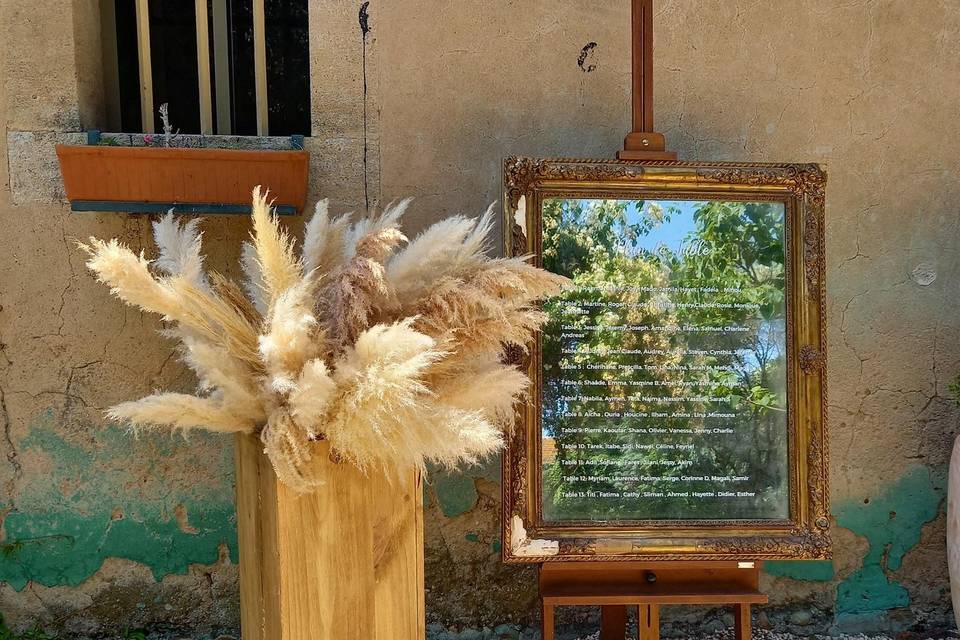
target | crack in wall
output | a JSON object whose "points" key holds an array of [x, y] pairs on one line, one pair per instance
{"points": [[69, 397], [166, 361], [364, 19], [73, 275], [11, 453]]}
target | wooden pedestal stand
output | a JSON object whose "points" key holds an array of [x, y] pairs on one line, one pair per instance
{"points": [[342, 563], [647, 585]]}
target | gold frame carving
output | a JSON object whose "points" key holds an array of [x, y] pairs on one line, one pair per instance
{"points": [[806, 533]]}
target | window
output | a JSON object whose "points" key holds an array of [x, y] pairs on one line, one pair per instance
{"points": [[237, 67]]}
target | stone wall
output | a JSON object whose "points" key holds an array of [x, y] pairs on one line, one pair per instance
{"points": [[103, 533]]}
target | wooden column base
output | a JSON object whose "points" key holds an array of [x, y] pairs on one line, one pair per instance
{"points": [[342, 563]]}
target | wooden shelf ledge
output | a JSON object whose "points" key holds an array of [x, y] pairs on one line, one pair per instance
{"points": [[639, 594]]}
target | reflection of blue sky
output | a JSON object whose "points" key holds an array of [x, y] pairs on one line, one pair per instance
{"points": [[670, 234]]}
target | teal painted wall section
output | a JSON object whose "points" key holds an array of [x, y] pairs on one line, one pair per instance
{"points": [[892, 523], [456, 491], [111, 494]]}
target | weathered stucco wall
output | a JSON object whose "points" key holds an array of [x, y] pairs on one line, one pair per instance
{"points": [[103, 533]]}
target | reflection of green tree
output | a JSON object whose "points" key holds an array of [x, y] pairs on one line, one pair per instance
{"points": [[739, 251]]}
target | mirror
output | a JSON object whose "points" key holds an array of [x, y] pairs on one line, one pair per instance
{"points": [[678, 401], [664, 368]]}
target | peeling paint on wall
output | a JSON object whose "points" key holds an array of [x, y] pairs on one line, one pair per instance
{"points": [[456, 492], [891, 522], [91, 507]]}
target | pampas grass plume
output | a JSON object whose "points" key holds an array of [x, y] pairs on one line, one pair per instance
{"points": [[392, 353]]}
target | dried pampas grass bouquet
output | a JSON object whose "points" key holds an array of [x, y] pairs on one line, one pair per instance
{"points": [[390, 350]]}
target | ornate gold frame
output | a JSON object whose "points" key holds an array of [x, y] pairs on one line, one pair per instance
{"points": [[805, 534]]}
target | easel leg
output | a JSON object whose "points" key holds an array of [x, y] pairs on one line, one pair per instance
{"points": [[742, 625], [649, 621], [613, 622], [548, 625]]}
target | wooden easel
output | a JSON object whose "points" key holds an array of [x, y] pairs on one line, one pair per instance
{"points": [[643, 143], [614, 586]]}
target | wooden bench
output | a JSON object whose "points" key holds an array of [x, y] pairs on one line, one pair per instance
{"points": [[614, 586]]}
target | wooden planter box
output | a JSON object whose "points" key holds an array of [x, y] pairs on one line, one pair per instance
{"points": [[342, 563], [154, 179]]}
